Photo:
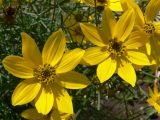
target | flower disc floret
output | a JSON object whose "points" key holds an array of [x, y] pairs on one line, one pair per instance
{"points": [[116, 48], [45, 74], [149, 28]]}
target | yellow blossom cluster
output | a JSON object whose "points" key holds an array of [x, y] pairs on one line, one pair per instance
{"points": [[117, 47]]}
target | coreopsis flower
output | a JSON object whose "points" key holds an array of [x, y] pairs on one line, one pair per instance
{"points": [[114, 5], [46, 75], [145, 22], [32, 114], [154, 99], [72, 23], [116, 47]]}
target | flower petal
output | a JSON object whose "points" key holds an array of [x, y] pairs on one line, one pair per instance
{"points": [[154, 104], [44, 100], [30, 50], [138, 58], [108, 24], [155, 45], [95, 55], [152, 10], [124, 25], [136, 39], [124, 67], [92, 33], [106, 69], [128, 4], [70, 60], [73, 80], [32, 114], [115, 5], [63, 101], [25, 92], [18, 67], [54, 48]]}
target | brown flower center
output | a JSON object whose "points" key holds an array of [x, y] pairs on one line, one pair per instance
{"points": [[149, 28], [78, 17], [116, 48], [45, 73]]}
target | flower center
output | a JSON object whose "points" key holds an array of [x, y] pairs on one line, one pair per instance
{"points": [[102, 1], [116, 48], [78, 31], [149, 28], [45, 73], [78, 17]]}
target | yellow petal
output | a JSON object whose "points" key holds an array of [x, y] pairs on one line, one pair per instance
{"points": [[70, 60], [106, 69], [154, 104], [95, 55], [115, 5], [136, 40], [25, 92], [73, 80], [152, 10], [157, 27], [127, 72], [54, 48], [128, 4], [155, 48], [108, 23], [44, 100], [32, 114], [124, 25], [30, 50], [138, 58], [148, 48], [18, 67], [150, 91], [63, 101], [92, 33]]}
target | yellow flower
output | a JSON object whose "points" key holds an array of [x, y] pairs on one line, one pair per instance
{"points": [[146, 24], [32, 114], [116, 47], [154, 99], [114, 5], [46, 74], [72, 23]]}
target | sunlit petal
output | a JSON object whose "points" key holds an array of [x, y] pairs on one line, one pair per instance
{"points": [[108, 23], [44, 100], [136, 40], [152, 10], [30, 50], [128, 4], [54, 48], [18, 67], [25, 92], [95, 55], [32, 114], [124, 67], [70, 60], [115, 5], [73, 80], [106, 69], [92, 33], [138, 57], [124, 25], [63, 101]]}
